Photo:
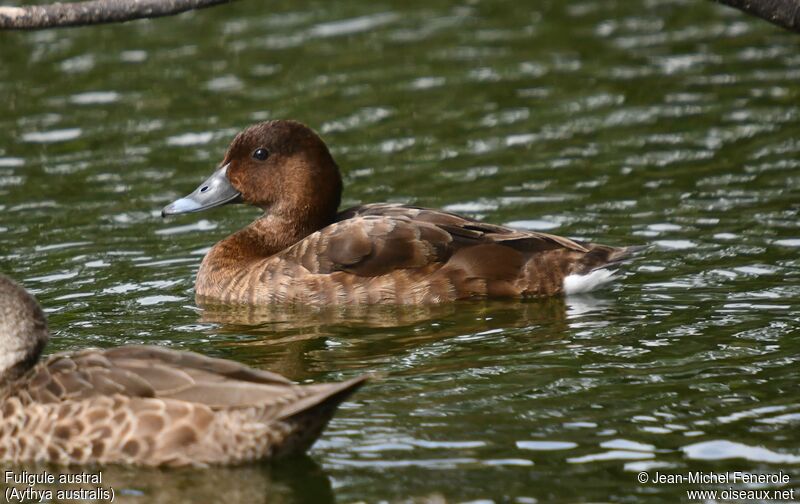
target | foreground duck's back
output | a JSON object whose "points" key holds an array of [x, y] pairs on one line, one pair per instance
{"points": [[152, 406]]}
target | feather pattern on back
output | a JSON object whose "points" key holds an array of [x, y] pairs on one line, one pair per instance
{"points": [[388, 253], [153, 406]]}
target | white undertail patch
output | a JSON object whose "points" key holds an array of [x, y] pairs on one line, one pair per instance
{"points": [[576, 284]]}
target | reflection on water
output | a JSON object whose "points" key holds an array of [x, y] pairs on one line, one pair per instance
{"points": [[301, 317], [304, 318], [637, 122], [375, 336]]}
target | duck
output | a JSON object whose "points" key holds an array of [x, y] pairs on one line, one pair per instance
{"points": [[145, 405], [303, 249]]}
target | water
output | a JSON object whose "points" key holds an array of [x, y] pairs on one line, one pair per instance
{"points": [[669, 123]]}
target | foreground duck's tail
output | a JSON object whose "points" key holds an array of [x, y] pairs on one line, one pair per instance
{"points": [[308, 416]]}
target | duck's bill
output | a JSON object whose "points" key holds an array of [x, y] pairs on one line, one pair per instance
{"points": [[215, 191]]}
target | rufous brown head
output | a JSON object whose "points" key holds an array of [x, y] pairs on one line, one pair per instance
{"points": [[282, 167]]}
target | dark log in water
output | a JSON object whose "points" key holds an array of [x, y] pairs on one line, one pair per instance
{"points": [[784, 13], [37, 17]]}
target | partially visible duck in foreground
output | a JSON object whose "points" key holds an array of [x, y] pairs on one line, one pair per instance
{"points": [[303, 250], [144, 405]]}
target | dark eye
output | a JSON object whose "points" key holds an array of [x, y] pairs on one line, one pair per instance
{"points": [[261, 154]]}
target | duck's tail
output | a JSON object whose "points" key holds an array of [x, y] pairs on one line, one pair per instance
{"points": [[619, 255], [308, 417], [598, 267]]}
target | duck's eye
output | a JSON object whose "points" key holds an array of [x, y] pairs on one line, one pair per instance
{"points": [[261, 154]]}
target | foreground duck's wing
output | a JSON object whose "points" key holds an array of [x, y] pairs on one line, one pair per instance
{"points": [[155, 372], [154, 406], [373, 240]]}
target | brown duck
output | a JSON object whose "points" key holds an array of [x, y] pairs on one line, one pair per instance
{"points": [[144, 405], [304, 250]]}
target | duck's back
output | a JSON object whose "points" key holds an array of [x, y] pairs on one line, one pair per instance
{"points": [[154, 406], [387, 253]]}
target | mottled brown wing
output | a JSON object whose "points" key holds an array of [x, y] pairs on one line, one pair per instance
{"points": [[373, 245], [146, 371], [525, 241], [466, 231], [376, 239]]}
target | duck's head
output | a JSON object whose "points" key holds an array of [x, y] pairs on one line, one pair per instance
{"points": [[23, 330], [282, 167]]}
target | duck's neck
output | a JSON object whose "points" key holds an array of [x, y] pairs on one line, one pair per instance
{"points": [[264, 237]]}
